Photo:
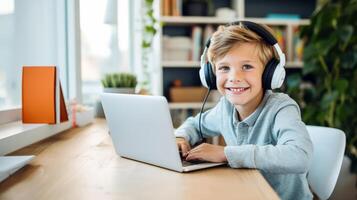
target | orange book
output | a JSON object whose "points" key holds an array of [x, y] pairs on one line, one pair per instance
{"points": [[42, 97], [166, 8], [174, 8]]}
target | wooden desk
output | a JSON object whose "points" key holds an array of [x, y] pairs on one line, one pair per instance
{"points": [[82, 164]]}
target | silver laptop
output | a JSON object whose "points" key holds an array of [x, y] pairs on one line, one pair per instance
{"points": [[141, 129]]}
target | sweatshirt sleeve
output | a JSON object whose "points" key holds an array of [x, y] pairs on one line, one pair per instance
{"points": [[210, 125], [292, 151]]}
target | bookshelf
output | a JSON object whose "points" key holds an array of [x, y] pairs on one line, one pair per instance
{"points": [[177, 25]]}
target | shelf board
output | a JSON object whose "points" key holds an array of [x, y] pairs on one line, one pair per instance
{"points": [[188, 64], [191, 105], [294, 65], [193, 20], [216, 20]]}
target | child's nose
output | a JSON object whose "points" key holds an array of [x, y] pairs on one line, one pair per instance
{"points": [[235, 76]]}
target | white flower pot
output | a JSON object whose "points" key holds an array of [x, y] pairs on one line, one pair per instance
{"points": [[120, 90]]}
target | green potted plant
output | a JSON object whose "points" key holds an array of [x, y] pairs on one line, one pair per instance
{"points": [[329, 95], [119, 83], [149, 29]]}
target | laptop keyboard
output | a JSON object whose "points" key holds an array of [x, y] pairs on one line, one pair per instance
{"points": [[188, 163], [191, 162]]}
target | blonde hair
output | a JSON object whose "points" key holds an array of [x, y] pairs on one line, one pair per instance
{"points": [[226, 37]]}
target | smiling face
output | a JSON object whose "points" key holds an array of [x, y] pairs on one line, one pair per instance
{"points": [[239, 77]]}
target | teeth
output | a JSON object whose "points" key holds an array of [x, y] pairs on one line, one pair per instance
{"points": [[237, 89]]}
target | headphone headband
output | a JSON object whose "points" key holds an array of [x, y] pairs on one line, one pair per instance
{"points": [[258, 29]]}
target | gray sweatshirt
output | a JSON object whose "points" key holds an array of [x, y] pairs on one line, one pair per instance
{"points": [[273, 139]]}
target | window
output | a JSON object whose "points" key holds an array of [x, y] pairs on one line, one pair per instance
{"points": [[104, 43], [32, 33], [7, 76]]}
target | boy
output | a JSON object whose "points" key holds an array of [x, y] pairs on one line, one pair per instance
{"points": [[262, 129]]}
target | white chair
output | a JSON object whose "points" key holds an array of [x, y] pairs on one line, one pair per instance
{"points": [[329, 147]]}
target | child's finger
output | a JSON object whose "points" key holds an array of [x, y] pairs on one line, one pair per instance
{"points": [[196, 149], [184, 149], [194, 156], [191, 157]]}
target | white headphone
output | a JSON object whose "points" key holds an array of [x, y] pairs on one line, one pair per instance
{"points": [[274, 72]]}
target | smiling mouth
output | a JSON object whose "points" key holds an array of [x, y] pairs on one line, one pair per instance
{"points": [[237, 90]]}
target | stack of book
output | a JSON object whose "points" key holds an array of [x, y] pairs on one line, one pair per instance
{"points": [[176, 48]]}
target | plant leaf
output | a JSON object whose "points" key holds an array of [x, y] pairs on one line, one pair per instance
{"points": [[341, 85], [328, 99], [349, 59], [323, 47], [345, 33]]}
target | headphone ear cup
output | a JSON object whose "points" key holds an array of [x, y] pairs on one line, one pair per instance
{"points": [[202, 74], [210, 76], [278, 77], [269, 73]]}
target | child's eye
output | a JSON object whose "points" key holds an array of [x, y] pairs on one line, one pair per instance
{"points": [[247, 67], [223, 68]]}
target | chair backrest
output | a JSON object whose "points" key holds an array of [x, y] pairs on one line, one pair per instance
{"points": [[329, 147]]}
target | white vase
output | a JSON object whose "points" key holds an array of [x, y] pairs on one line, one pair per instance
{"points": [[120, 90]]}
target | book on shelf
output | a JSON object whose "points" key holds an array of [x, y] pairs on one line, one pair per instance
{"points": [[285, 16], [177, 48], [298, 45], [42, 97], [207, 34], [186, 48], [171, 7], [280, 35], [165, 8], [196, 43]]}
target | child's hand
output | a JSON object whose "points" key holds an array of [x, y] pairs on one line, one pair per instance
{"points": [[183, 145], [207, 152]]}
